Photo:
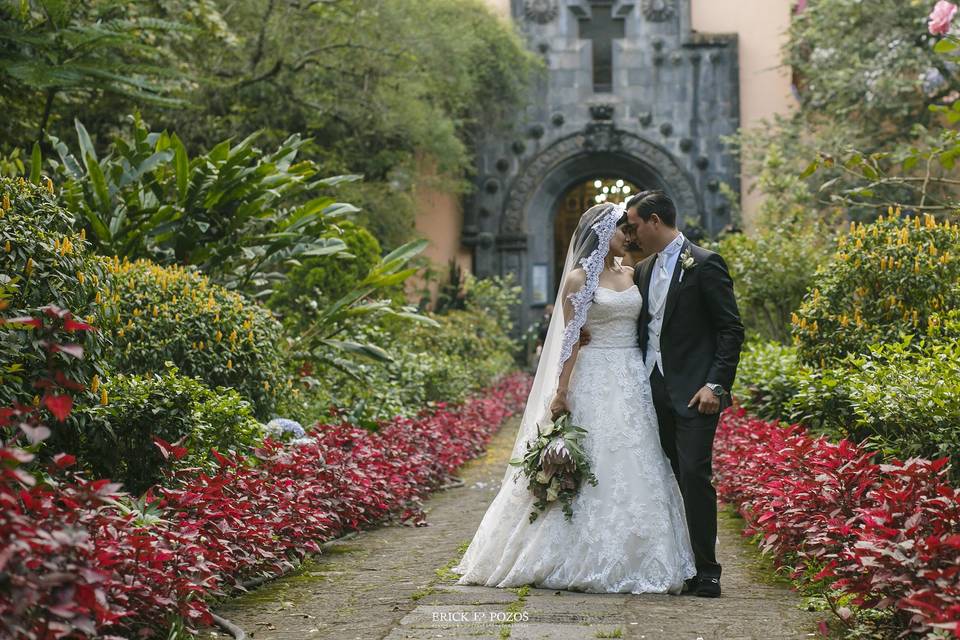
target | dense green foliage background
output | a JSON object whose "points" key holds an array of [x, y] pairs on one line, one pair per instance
{"points": [[378, 86], [224, 190]]}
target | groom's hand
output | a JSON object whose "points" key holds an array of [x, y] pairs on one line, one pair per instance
{"points": [[584, 337], [706, 401]]}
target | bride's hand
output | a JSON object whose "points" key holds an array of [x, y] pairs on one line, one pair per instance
{"points": [[559, 406], [584, 337]]}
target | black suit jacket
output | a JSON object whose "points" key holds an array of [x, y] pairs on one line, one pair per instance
{"points": [[702, 333]]}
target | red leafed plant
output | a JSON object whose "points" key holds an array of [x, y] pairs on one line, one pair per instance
{"points": [[889, 534], [80, 558]]}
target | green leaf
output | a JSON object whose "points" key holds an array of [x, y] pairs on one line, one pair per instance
{"points": [[946, 45], [416, 317], [810, 170], [364, 349], [406, 251], [181, 165], [86, 145], [35, 160], [99, 228], [99, 182], [335, 180], [329, 248]]}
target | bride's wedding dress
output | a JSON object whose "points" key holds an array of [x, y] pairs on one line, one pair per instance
{"points": [[628, 533]]}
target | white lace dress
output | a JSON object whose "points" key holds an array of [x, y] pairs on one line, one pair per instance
{"points": [[629, 533]]}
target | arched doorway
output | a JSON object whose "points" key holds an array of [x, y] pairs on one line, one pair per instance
{"points": [[578, 198], [526, 244]]}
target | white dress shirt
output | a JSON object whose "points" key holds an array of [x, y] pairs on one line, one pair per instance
{"points": [[660, 279]]}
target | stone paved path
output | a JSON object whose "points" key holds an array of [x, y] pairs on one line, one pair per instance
{"points": [[394, 583]]}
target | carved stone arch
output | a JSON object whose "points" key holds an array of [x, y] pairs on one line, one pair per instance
{"points": [[564, 161]]}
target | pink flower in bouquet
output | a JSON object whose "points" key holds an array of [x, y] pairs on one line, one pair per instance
{"points": [[941, 17]]}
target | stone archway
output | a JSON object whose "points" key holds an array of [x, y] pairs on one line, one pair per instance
{"points": [[525, 242], [598, 149]]}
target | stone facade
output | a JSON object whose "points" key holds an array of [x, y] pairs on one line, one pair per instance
{"points": [[629, 91]]}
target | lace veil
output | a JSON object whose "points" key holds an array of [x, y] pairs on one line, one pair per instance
{"points": [[588, 248]]}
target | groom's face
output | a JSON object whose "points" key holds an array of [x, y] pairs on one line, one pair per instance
{"points": [[643, 232]]}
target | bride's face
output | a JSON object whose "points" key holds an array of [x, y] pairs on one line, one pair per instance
{"points": [[618, 242]]}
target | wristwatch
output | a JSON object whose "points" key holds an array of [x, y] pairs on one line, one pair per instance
{"points": [[716, 388]]}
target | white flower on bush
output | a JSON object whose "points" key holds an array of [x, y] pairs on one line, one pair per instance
{"points": [[287, 430]]}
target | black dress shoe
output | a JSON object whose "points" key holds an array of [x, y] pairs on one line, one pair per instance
{"points": [[690, 586], [708, 588]]}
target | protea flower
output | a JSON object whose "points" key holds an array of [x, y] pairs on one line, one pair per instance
{"points": [[556, 458]]}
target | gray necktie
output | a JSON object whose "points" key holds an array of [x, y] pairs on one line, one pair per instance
{"points": [[661, 282]]}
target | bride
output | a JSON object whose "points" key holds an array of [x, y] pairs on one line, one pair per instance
{"points": [[628, 533]]}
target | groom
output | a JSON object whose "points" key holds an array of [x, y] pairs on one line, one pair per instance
{"points": [[690, 333]]}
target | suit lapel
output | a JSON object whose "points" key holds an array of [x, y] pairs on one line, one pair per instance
{"points": [[645, 280], [674, 285], [644, 285]]}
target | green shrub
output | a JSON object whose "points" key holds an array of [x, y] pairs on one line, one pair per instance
{"points": [[176, 314], [429, 364], [236, 212], [319, 280], [497, 297], [772, 270], [44, 261], [897, 276], [117, 438], [904, 399], [767, 379], [466, 352]]}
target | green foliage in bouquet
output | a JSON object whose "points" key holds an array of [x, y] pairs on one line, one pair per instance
{"points": [[897, 276], [176, 314], [555, 466], [117, 437], [44, 261]]}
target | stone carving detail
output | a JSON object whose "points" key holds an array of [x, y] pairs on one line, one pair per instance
{"points": [[602, 137], [541, 11], [674, 176], [659, 10], [601, 111]]}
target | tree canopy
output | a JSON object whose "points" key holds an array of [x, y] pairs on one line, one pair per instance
{"points": [[375, 84]]}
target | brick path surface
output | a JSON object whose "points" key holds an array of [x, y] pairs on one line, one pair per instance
{"points": [[394, 583]]}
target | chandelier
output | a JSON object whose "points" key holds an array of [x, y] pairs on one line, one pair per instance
{"points": [[615, 190]]}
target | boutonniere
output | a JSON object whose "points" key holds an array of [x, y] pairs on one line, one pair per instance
{"points": [[686, 262]]}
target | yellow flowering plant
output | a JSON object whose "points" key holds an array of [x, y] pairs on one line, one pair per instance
{"points": [[177, 314], [897, 276], [44, 261]]}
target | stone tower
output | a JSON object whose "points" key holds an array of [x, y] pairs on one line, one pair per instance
{"points": [[630, 96]]}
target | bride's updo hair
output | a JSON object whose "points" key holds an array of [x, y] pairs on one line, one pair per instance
{"points": [[585, 239]]}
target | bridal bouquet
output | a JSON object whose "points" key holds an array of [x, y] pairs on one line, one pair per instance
{"points": [[555, 465]]}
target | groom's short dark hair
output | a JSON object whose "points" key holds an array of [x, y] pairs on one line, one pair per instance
{"points": [[652, 202]]}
